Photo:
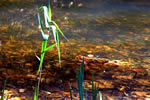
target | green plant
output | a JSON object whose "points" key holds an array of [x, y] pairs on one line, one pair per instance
{"points": [[49, 24], [70, 93], [2, 96], [35, 93], [94, 88], [80, 79]]}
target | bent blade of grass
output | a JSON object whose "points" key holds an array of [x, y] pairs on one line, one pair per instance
{"points": [[45, 36], [3, 89], [50, 47], [56, 38], [46, 16], [59, 30]]}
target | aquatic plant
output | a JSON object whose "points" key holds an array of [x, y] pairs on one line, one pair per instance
{"points": [[2, 96], [49, 24], [70, 93], [80, 79], [35, 93], [95, 88]]}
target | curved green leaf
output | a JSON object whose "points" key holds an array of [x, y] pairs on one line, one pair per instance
{"points": [[59, 30]]}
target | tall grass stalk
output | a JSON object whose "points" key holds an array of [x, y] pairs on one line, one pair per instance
{"points": [[35, 93], [49, 24], [2, 96], [95, 88], [80, 79], [70, 93]]}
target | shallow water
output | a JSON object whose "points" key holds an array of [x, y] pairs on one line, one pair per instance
{"points": [[111, 30], [122, 26]]}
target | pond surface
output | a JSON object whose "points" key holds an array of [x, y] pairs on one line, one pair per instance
{"points": [[111, 30]]}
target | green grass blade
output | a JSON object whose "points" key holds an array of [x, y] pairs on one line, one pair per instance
{"points": [[94, 88], [46, 17], [59, 30], [35, 94], [58, 47], [70, 93], [49, 12], [80, 76], [56, 38], [50, 47], [3, 89], [45, 36], [40, 22], [44, 44]]}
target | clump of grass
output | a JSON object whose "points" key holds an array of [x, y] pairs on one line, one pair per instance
{"points": [[80, 81]]}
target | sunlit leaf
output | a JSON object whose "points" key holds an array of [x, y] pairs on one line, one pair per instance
{"points": [[56, 38], [59, 30], [46, 17], [49, 12]]}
